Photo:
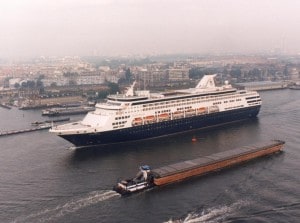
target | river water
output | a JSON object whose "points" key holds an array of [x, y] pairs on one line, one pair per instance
{"points": [[42, 179]]}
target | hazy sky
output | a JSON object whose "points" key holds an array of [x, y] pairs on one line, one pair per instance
{"points": [[116, 27]]}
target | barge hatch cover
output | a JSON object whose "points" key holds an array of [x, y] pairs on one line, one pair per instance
{"points": [[216, 157]]}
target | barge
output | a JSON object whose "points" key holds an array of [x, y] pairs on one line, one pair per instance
{"points": [[67, 111], [148, 178], [50, 121]]}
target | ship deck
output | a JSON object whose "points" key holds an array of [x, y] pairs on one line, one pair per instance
{"points": [[76, 126], [217, 157]]}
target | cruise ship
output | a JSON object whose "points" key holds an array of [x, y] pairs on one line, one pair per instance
{"points": [[137, 115]]}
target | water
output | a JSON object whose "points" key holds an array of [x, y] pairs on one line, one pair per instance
{"points": [[42, 179]]}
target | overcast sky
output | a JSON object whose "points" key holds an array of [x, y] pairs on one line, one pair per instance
{"points": [[121, 27]]}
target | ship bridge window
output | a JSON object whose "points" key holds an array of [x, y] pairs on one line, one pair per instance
{"points": [[113, 103], [252, 97]]}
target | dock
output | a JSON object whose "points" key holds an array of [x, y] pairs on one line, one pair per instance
{"points": [[14, 132], [3, 105]]}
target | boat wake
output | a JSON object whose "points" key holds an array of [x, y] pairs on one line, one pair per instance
{"points": [[216, 214], [49, 215]]}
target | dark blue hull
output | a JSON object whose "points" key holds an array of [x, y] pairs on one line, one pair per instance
{"points": [[161, 128]]}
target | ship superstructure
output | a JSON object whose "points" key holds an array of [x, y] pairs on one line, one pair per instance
{"points": [[138, 115]]}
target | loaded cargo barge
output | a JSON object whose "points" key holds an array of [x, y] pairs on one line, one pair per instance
{"points": [[148, 178]]}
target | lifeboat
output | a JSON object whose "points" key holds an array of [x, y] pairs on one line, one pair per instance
{"points": [[137, 121], [178, 114], [149, 119], [202, 110], [213, 109], [163, 117], [190, 112]]}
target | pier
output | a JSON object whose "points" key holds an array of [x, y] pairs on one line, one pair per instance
{"points": [[3, 105], [14, 132]]}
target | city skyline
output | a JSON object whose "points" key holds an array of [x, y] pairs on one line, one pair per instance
{"points": [[114, 27]]}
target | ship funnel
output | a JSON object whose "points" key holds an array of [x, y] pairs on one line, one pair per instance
{"points": [[207, 81], [130, 90]]}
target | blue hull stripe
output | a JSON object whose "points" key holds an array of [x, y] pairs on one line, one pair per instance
{"points": [[161, 128]]}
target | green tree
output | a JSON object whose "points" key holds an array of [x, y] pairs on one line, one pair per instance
{"points": [[17, 85], [24, 84], [236, 72], [113, 88], [72, 82], [53, 84], [31, 84], [70, 74], [39, 84], [102, 94], [128, 75]]}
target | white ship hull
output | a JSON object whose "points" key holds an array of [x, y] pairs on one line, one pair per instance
{"points": [[132, 117]]}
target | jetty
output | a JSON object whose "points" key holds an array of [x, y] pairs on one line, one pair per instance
{"points": [[3, 105], [14, 132]]}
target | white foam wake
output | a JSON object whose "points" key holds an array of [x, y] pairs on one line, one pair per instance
{"points": [[49, 215], [216, 214]]}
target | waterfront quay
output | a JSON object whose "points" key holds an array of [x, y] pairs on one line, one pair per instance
{"points": [[46, 82], [262, 85]]}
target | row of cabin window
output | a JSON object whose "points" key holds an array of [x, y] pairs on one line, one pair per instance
{"points": [[163, 111], [119, 123], [230, 101], [122, 117], [186, 103]]}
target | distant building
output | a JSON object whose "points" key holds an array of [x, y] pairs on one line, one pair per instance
{"points": [[104, 68], [151, 77], [78, 80], [295, 74], [90, 79], [178, 74]]}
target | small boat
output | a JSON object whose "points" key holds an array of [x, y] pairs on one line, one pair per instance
{"points": [[163, 117], [295, 87], [50, 121], [213, 109], [178, 114], [149, 119], [137, 121], [202, 110], [67, 111], [142, 181], [190, 112]]}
